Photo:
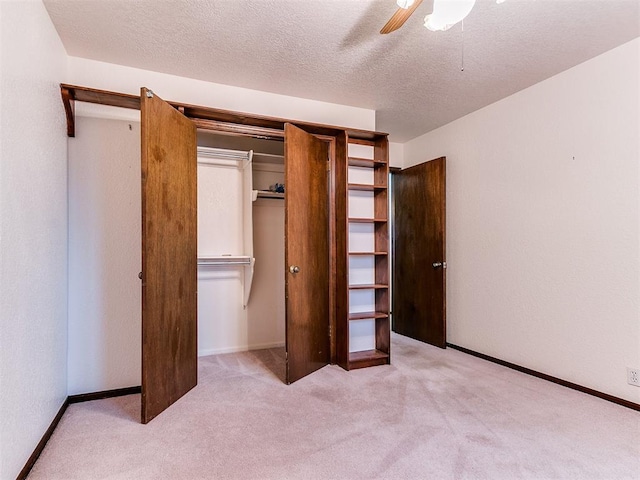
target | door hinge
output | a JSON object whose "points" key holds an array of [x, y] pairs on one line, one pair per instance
{"points": [[330, 331]]}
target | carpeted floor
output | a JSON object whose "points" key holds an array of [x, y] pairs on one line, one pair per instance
{"points": [[432, 414]]}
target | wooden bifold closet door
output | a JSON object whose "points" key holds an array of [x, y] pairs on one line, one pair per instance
{"points": [[306, 253], [169, 255]]}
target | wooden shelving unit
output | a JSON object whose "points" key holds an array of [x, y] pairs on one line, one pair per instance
{"points": [[379, 164]]}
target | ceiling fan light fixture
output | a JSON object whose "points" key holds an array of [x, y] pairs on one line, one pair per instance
{"points": [[447, 13], [405, 3]]}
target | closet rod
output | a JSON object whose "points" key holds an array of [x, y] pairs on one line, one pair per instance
{"points": [[279, 156]]}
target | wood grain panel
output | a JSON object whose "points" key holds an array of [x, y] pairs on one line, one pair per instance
{"points": [[339, 254], [367, 358], [381, 238], [419, 295], [69, 109], [105, 97], [306, 246], [169, 255]]}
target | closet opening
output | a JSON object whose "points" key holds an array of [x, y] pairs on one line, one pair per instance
{"points": [[241, 247]]}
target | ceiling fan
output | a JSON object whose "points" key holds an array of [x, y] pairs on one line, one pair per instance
{"points": [[446, 13]]}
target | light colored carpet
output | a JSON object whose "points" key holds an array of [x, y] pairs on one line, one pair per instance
{"points": [[432, 414]]}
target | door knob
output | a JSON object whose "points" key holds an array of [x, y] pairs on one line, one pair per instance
{"points": [[439, 264], [294, 269], [140, 275]]}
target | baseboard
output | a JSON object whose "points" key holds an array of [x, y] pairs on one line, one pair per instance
{"points": [[43, 442], [245, 348], [118, 392], [544, 376], [84, 397]]}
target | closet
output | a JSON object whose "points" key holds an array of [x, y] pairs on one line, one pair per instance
{"points": [[324, 322], [243, 299], [241, 295]]}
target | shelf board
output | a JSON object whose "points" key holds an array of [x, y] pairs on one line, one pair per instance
{"points": [[367, 220], [365, 187], [367, 358], [372, 286], [269, 194], [365, 162], [367, 315], [368, 253], [224, 260]]}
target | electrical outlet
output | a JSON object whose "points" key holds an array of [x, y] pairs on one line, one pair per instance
{"points": [[633, 376]]}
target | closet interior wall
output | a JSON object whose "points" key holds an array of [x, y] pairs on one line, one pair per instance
{"points": [[104, 330]]}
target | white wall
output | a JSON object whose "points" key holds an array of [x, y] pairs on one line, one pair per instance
{"points": [[396, 154], [107, 76], [222, 320], [543, 224], [33, 231], [104, 255], [266, 312]]}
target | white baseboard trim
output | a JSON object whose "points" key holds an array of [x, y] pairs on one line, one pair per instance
{"points": [[243, 348]]}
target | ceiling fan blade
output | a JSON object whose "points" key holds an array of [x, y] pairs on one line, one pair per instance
{"points": [[398, 18]]}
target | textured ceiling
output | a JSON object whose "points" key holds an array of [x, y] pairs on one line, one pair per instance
{"points": [[331, 50]]}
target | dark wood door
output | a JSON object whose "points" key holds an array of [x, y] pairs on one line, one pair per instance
{"points": [[306, 253], [419, 261], [169, 255]]}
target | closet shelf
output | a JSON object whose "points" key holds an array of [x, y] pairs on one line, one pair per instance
{"points": [[365, 187], [371, 286], [367, 220], [367, 315], [365, 162], [367, 358], [224, 260], [269, 194], [364, 254]]}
